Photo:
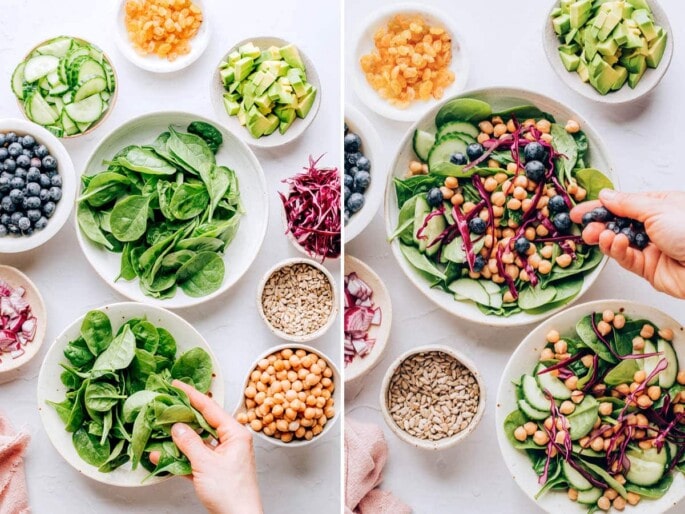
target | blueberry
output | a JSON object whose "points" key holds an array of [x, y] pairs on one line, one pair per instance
{"points": [[353, 171], [4, 184], [557, 204], [535, 171], [3, 153], [24, 204], [24, 224], [10, 165], [474, 150], [2, 139], [41, 151], [27, 152], [49, 163], [4, 218], [7, 204], [434, 197], [15, 217], [477, 225], [28, 141], [347, 193], [562, 222], [613, 227], [41, 223], [44, 195], [623, 222], [459, 159], [17, 196], [33, 175], [352, 143], [351, 159], [36, 163], [49, 209], [33, 215], [363, 163], [33, 202], [641, 240], [13, 229], [601, 214], [3, 231], [355, 202], [20, 173], [361, 182], [14, 149], [587, 219], [522, 245], [534, 152], [10, 138], [45, 180], [479, 263], [17, 183], [629, 233], [348, 180], [23, 161], [33, 189]]}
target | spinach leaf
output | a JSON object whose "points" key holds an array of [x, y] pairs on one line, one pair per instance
{"points": [[116, 459], [593, 181], [588, 336], [524, 112], [63, 409], [208, 132], [167, 344], [191, 150], [129, 218], [622, 373], [564, 144], [653, 492], [78, 353], [146, 161], [419, 261], [535, 297], [217, 181], [583, 146], [146, 336], [142, 429], [104, 188], [119, 354], [194, 367], [201, 275], [189, 201], [136, 402], [101, 396], [127, 271], [90, 225], [96, 331], [89, 448], [405, 188], [514, 420]]}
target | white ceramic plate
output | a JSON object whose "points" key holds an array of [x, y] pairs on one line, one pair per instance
{"points": [[359, 367], [337, 380], [154, 63], [651, 78], [524, 360], [216, 91], [363, 44], [373, 150], [15, 278], [51, 388], [233, 153], [500, 98], [65, 167]]}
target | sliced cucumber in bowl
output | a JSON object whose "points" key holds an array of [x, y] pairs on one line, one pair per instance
{"points": [[85, 111]]}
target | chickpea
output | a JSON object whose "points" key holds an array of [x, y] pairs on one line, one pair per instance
{"points": [[241, 418], [498, 198], [256, 425], [547, 251], [512, 168], [608, 315], [644, 402], [547, 138], [543, 126], [508, 258], [619, 321], [521, 181], [680, 377], [540, 438], [606, 408], [633, 498], [604, 328], [287, 437], [572, 381], [513, 204], [567, 407], [451, 182], [622, 389], [564, 260], [457, 199], [666, 334], [553, 336], [654, 392], [498, 212], [573, 494], [577, 396], [507, 297], [499, 130], [599, 389], [526, 204], [647, 331], [506, 186], [545, 267], [639, 376], [468, 207], [415, 168], [580, 195], [587, 360], [638, 344], [647, 443], [541, 230], [520, 193], [447, 193], [486, 126], [482, 137], [490, 184], [597, 444], [492, 163]]}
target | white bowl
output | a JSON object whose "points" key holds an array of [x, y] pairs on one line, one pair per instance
{"points": [[500, 98], [275, 139], [334, 309], [363, 44], [9, 367], [360, 366], [51, 388], [233, 153], [337, 380], [425, 444], [154, 63], [523, 361], [373, 150], [65, 167], [651, 78]]}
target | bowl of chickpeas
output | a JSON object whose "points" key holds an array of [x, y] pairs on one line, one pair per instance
{"points": [[290, 396]]}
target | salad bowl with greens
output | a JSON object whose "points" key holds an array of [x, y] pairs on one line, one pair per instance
{"points": [[477, 205], [590, 414]]}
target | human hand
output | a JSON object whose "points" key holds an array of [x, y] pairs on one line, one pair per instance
{"points": [[662, 262], [225, 477]]}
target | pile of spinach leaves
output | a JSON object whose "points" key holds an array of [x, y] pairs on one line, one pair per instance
{"points": [[168, 208], [120, 404]]}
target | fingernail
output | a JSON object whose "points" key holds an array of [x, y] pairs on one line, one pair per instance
{"points": [[607, 194], [178, 429]]}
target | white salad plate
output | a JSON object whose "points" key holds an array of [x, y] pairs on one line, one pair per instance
{"points": [[235, 154], [50, 386], [500, 98], [524, 360]]}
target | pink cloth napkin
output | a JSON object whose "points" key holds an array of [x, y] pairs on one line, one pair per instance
{"points": [[365, 456], [13, 494]]}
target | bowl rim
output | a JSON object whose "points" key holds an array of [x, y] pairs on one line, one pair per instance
{"points": [[520, 319], [32, 349], [370, 97], [526, 346], [192, 302], [295, 443], [113, 98], [69, 183], [573, 82], [371, 143], [447, 442], [218, 387], [334, 309], [216, 89], [366, 364]]}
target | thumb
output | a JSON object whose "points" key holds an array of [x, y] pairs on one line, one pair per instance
{"points": [[188, 442], [637, 206]]}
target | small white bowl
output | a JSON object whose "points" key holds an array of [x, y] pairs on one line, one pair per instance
{"points": [[50, 386], [363, 44], [275, 139], [16, 244], [334, 309], [154, 63], [651, 78], [373, 150], [9, 367], [426, 444], [295, 443], [523, 361], [360, 366]]}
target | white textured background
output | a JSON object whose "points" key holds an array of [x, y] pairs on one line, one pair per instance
{"points": [[504, 40], [291, 480]]}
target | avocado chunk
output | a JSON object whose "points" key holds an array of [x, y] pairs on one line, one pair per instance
{"points": [[621, 77], [639, 4], [583, 72], [608, 47], [645, 23], [290, 55], [306, 104], [257, 123], [243, 67], [614, 16], [579, 13], [656, 50], [570, 61], [562, 24]]}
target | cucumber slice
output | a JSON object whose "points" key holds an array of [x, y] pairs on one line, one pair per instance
{"points": [[56, 131], [53, 78], [590, 496], [649, 363], [18, 81], [58, 90], [575, 479], [39, 111], [85, 111], [480, 291], [443, 149], [552, 384], [532, 413], [652, 455], [90, 87], [111, 80], [105, 96], [421, 210], [668, 376], [68, 124], [462, 127], [533, 394], [40, 66], [58, 47], [433, 229], [83, 126], [423, 141], [643, 472]]}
